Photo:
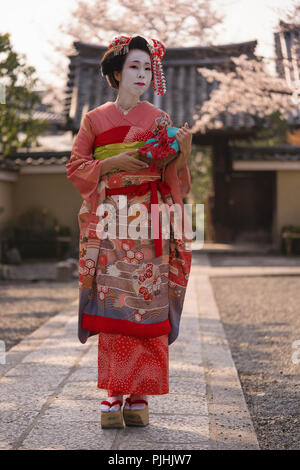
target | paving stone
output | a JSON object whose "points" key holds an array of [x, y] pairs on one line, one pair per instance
{"points": [[169, 429], [144, 445], [182, 368], [84, 390], [35, 371], [23, 391], [84, 374], [13, 422], [73, 410], [187, 357], [68, 435], [58, 350], [187, 385], [178, 404]]}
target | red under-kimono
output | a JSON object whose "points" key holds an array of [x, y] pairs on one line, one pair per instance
{"points": [[127, 295]]}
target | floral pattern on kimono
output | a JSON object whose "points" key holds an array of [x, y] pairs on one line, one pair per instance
{"points": [[123, 287]]}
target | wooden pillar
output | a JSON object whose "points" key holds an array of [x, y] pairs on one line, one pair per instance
{"points": [[220, 211]]}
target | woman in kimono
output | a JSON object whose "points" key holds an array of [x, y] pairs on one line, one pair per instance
{"points": [[131, 290]]}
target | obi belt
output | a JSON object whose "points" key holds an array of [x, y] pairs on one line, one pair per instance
{"points": [[153, 149]]}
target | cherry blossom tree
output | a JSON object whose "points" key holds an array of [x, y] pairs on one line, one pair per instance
{"points": [[179, 23], [175, 24], [289, 13], [250, 89]]}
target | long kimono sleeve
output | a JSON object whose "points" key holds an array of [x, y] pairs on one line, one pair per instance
{"points": [[179, 180], [184, 180], [82, 169], [180, 247]]}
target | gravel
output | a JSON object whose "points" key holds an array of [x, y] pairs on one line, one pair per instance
{"points": [[26, 305], [261, 320]]}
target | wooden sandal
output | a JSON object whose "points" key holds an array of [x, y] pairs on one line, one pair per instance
{"points": [[136, 417], [112, 419]]}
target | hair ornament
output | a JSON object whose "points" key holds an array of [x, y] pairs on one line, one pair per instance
{"points": [[156, 50]]}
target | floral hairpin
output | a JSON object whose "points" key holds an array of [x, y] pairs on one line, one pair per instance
{"points": [[157, 51]]}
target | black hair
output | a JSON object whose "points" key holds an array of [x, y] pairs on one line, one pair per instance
{"points": [[111, 63]]}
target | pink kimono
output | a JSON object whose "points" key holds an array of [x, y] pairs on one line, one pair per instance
{"points": [[130, 297]]}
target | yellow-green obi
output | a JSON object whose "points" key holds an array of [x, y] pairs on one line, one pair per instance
{"points": [[105, 151]]}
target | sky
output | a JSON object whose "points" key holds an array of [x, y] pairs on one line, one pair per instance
{"points": [[37, 23]]}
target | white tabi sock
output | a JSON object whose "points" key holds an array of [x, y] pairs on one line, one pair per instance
{"points": [[111, 400], [137, 406]]}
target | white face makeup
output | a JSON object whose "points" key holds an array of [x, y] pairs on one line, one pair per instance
{"points": [[136, 69]]}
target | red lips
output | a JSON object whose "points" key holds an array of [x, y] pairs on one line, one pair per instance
{"points": [[139, 83]]}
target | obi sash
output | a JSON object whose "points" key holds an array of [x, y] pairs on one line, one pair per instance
{"points": [[139, 190], [109, 150], [160, 149], [105, 151]]}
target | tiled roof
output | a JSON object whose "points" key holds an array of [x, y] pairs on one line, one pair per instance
{"points": [[232, 122], [7, 166], [55, 149], [186, 87], [15, 162], [276, 153], [52, 117]]}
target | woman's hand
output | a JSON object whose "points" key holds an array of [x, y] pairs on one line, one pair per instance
{"points": [[184, 138], [123, 161]]}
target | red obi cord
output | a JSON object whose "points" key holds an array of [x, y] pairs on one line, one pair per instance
{"points": [[140, 190]]}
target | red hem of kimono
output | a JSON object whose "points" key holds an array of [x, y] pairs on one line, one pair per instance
{"points": [[131, 392], [97, 323]]}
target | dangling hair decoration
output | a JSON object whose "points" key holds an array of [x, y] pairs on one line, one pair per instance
{"points": [[157, 51]]}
